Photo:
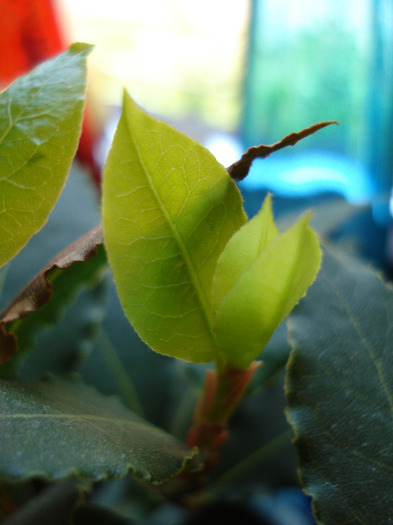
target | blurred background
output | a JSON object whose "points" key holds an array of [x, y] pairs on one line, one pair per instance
{"points": [[233, 75]]}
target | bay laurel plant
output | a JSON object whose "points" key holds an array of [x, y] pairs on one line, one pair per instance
{"points": [[201, 284], [196, 280]]}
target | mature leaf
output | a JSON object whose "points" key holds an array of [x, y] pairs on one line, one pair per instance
{"points": [[72, 429], [40, 123], [240, 169], [169, 208], [266, 289], [63, 345], [93, 513], [340, 393], [52, 282]]}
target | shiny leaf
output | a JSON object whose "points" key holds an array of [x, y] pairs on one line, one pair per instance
{"points": [[169, 208], [276, 278]]}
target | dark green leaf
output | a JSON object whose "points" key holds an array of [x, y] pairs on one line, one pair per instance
{"points": [[57, 428], [94, 514], [59, 281], [340, 393], [62, 348], [54, 506]]}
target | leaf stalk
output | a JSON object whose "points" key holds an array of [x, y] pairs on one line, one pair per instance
{"points": [[222, 391]]}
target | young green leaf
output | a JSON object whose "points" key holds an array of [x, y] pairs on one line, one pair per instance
{"points": [[169, 209], [40, 123], [242, 250], [340, 392], [269, 281], [74, 430]]}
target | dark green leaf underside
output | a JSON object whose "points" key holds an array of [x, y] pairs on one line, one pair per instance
{"points": [[340, 393], [44, 298], [55, 505], [71, 429]]}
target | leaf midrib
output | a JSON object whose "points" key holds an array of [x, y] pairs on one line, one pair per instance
{"points": [[24, 109], [83, 417], [204, 305]]}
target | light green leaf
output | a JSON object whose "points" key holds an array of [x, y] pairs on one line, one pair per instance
{"points": [[73, 430], [266, 291], [169, 209], [242, 250], [340, 392], [40, 123]]}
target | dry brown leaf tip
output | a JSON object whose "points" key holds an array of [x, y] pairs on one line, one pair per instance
{"points": [[239, 170], [39, 290]]}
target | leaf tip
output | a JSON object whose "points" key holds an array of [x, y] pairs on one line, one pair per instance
{"points": [[81, 48]]}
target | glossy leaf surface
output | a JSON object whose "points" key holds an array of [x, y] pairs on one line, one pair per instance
{"points": [[340, 392], [273, 275], [169, 208], [40, 123], [72, 429]]}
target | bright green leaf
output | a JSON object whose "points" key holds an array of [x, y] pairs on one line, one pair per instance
{"points": [[267, 290], [74, 430], [242, 250], [40, 123], [169, 209], [340, 392]]}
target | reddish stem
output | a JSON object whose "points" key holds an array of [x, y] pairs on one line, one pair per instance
{"points": [[221, 394]]}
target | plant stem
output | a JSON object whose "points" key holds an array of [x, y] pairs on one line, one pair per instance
{"points": [[124, 384], [223, 389]]}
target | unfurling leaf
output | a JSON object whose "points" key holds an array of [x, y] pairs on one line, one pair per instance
{"points": [[260, 276], [169, 209], [40, 123]]}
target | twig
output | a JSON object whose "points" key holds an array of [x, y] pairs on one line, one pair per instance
{"points": [[239, 169]]}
